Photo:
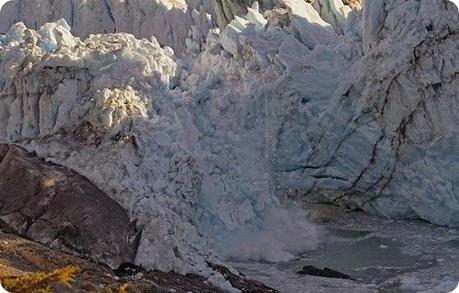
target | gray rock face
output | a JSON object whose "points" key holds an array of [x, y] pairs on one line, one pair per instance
{"points": [[58, 207]]}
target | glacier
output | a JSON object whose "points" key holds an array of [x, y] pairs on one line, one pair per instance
{"points": [[206, 120]]}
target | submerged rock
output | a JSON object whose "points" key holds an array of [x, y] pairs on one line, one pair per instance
{"points": [[241, 283], [325, 272]]}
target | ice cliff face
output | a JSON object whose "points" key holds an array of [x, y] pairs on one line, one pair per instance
{"points": [[392, 126], [340, 101]]}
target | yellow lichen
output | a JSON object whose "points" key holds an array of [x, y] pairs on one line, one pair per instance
{"points": [[39, 282], [123, 288]]}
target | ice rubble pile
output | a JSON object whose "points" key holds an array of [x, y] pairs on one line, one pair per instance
{"points": [[321, 101]]}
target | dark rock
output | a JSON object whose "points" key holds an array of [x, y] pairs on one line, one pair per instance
{"points": [[242, 283], [18, 256], [325, 272], [128, 269], [59, 208]]}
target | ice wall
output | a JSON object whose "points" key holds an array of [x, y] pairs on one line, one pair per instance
{"points": [[365, 118]]}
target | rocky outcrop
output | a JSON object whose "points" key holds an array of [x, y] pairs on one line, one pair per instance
{"points": [[58, 207], [19, 256]]}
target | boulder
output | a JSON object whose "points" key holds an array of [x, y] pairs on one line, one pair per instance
{"points": [[59, 208]]}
